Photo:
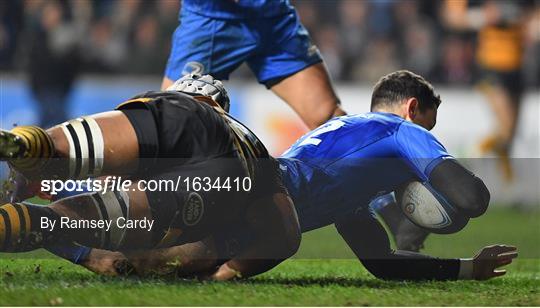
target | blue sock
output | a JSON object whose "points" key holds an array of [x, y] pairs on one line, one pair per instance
{"points": [[70, 251]]}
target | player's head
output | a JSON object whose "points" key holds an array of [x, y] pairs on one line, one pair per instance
{"points": [[408, 95], [204, 85]]}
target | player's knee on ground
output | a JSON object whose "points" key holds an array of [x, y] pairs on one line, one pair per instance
{"points": [[466, 192]]}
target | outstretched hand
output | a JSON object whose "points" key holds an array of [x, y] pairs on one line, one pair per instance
{"points": [[487, 261]]}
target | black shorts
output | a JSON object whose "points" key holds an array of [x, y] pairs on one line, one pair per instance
{"points": [[511, 81], [186, 145], [176, 127]]}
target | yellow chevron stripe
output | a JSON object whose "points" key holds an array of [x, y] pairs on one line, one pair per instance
{"points": [[31, 145], [48, 146], [41, 140], [15, 223], [39, 146], [26, 219], [135, 100], [2, 231]]}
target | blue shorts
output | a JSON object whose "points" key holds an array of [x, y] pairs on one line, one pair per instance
{"points": [[272, 47]]}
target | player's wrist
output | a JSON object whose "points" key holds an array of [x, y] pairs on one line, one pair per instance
{"points": [[466, 269]]}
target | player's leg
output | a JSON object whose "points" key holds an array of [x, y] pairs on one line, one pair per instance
{"points": [[104, 143], [310, 93], [504, 98], [188, 260], [407, 235], [94, 219], [294, 69], [166, 82]]}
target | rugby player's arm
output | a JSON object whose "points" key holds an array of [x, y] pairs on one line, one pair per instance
{"points": [[274, 224], [431, 162], [460, 187], [369, 241]]}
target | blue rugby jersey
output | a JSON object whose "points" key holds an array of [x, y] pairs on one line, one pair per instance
{"points": [[341, 166]]}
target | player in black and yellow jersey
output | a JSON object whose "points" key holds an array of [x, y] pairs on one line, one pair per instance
{"points": [[161, 136], [499, 25]]}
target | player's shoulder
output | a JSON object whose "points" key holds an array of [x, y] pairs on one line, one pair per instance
{"points": [[414, 141], [373, 121], [410, 130]]}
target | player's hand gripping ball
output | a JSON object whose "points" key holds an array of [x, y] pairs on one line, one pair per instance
{"points": [[204, 85], [426, 209]]}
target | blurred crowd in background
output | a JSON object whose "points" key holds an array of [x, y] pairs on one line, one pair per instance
{"points": [[359, 39]]}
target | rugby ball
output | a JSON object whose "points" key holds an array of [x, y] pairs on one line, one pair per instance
{"points": [[428, 210]]}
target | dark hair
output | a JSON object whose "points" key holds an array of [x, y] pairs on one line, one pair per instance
{"points": [[397, 86]]}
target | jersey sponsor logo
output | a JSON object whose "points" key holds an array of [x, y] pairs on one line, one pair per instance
{"points": [[193, 209], [193, 67]]}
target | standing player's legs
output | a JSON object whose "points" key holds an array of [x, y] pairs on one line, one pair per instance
{"points": [[506, 110], [104, 143], [291, 66], [503, 95], [310, 93]]}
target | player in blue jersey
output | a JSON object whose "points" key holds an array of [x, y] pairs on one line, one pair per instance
{"points": [[332, 174], [216, 36]]}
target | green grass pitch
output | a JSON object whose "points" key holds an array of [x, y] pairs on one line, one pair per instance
{"points": [[322, 273]]}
